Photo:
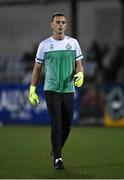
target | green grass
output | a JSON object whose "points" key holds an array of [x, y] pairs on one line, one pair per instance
{"points": [[89, 153]]}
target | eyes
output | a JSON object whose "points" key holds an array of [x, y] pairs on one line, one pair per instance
{"points": [[61, 22]]}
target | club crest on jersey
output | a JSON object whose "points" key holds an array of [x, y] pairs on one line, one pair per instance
{"points": [[51, 46], [68, 46]]}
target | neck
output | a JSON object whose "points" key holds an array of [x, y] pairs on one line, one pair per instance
{"points": [[58, 36]]}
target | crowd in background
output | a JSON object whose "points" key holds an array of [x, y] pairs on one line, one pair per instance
{"points": [[104, 67], [104, 63]]}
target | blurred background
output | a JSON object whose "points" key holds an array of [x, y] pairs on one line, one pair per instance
{"points": [[99, 28]]}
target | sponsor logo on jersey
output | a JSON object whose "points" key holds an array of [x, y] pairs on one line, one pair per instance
{"points": [[68, 46], [51, 46]]}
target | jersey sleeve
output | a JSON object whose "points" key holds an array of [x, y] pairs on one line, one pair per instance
{"points": [[40, 54], [79, 54]]}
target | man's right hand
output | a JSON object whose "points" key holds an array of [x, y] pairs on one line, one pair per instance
{"points": [[33, 97]]}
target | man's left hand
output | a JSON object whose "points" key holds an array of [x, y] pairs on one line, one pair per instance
{"points": [[79, 79]]}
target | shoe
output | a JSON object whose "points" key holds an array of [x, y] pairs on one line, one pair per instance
{"points": [[58, 163]]}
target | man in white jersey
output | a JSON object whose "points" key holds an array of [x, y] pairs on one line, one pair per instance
{"points": [[61, 57]]}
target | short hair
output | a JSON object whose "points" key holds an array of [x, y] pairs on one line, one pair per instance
{"points": [[57, 14]]}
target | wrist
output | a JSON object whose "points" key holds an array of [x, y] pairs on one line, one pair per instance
{"points": [[32, 89], [80, 73]]}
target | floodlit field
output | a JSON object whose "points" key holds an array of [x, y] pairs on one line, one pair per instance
{"points": [[89, 153]]}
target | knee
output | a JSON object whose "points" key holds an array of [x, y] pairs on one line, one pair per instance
{"points": [[56, 131]]}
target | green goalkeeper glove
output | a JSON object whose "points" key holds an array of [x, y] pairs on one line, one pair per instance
{"points": [[33, 98], [79, 78]]}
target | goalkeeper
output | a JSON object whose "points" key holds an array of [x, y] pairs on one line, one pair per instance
{"points": [[61, 57]]}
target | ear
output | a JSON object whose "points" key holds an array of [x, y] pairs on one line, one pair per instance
{"points": [[51, 25], [66, 27]]}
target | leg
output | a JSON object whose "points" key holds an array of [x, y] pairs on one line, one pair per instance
{"points": [[67, 115], [53, 102]]}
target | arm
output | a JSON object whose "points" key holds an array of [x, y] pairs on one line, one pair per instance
{"points": [[79, 66], [36, 73], [33, 98]]}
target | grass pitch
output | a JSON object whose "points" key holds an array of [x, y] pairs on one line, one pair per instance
{"points": [[89, 153]]}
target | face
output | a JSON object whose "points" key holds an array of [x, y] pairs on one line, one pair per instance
{"points": [[59, 25]]}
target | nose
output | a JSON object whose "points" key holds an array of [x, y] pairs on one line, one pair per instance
{"points": [[60, 24]]}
